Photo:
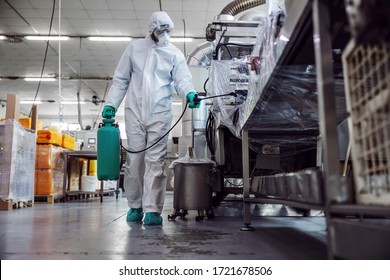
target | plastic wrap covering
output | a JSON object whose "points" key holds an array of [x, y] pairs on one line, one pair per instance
{"points": [[269, 98], [17, 161], [191, 160], [48, 181], [49, 156], [301, 186]]}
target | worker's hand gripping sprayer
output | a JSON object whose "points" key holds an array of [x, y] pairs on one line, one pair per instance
{"points": [[108, 148]]}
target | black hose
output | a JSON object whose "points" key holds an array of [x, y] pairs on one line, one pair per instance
{"points": [[181, 116], [210, 134], [204, 85], [162, 137], [219, 45]]}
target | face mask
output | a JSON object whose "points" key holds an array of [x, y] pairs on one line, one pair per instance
{"points": [[163, 39]]}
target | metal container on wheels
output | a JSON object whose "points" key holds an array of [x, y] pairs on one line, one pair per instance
{"points": [[193, 187]]}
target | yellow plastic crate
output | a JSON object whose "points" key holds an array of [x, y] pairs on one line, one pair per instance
{"points": [[67, 142], [49, 137]]}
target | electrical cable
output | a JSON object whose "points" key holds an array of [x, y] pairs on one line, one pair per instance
{"points": [[79, 115], [219, 45], [204, 85], [44, 59], [215, 54], [233, 184], [210, 134]]}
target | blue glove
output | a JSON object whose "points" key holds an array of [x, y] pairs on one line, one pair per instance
{"points": [[193, 101], [108, 112]]}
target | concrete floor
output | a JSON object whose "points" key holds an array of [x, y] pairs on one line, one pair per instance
{"points": [[88, 229]]}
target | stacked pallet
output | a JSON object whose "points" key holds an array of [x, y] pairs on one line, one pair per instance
{"points": [[49, 165], [17, 157]]}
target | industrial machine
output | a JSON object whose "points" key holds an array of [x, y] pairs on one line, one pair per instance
{"points": [[276, 103], [287, 137]]}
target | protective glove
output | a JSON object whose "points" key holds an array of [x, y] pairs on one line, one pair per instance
{"points": [[193, 101], [108, 112]]}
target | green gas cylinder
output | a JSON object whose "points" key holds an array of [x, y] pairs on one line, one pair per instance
{"points": [[108, 150]]}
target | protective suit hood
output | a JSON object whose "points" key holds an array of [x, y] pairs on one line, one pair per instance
{"points": [[158, 19]]}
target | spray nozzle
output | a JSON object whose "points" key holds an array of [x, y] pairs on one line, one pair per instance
{"points": [[197, 99]]}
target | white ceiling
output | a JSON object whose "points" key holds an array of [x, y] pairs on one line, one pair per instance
{"points": [[94, 62]]}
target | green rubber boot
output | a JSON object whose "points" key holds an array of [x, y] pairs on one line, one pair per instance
{"points": [[134, 215], [153, 219]]}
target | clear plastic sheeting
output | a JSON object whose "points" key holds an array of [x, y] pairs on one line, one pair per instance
{"points": [[269, 97], [291, 101], [301, 186], [191, 160], [17, 162]]}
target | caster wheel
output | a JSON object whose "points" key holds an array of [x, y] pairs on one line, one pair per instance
{"points": [[183, 214], [210, 214], [171, 217], [199, 218]]}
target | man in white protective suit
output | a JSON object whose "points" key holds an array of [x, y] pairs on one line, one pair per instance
{"points": [[148, 73]]}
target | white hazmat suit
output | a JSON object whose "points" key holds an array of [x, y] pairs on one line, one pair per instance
{"points": [[148, 74]]}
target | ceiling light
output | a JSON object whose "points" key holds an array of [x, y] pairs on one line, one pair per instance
{"points": [[111, 39], [180, 39], [71, 102], [46, 38], [40, 79], [30, 102], [2, 37]]}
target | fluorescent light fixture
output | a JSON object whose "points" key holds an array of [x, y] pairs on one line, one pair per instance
{"points": [[46, 38], [59, 125], [110, 39], [71, 102], [2, 37], [177, 103], [180, 39], [40, 79], [30, 102]]}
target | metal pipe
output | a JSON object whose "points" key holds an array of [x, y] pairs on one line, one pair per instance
{"points": [[238, 6]]}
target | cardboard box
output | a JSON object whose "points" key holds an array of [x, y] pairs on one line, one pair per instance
{"points": [[25, 122], [74, 174], [48, 181], [49, 157]]}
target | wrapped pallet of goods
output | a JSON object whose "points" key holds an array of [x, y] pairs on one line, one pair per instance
{"points": [[48, 181], [17, 158], [49, 157], [49, 166]]}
